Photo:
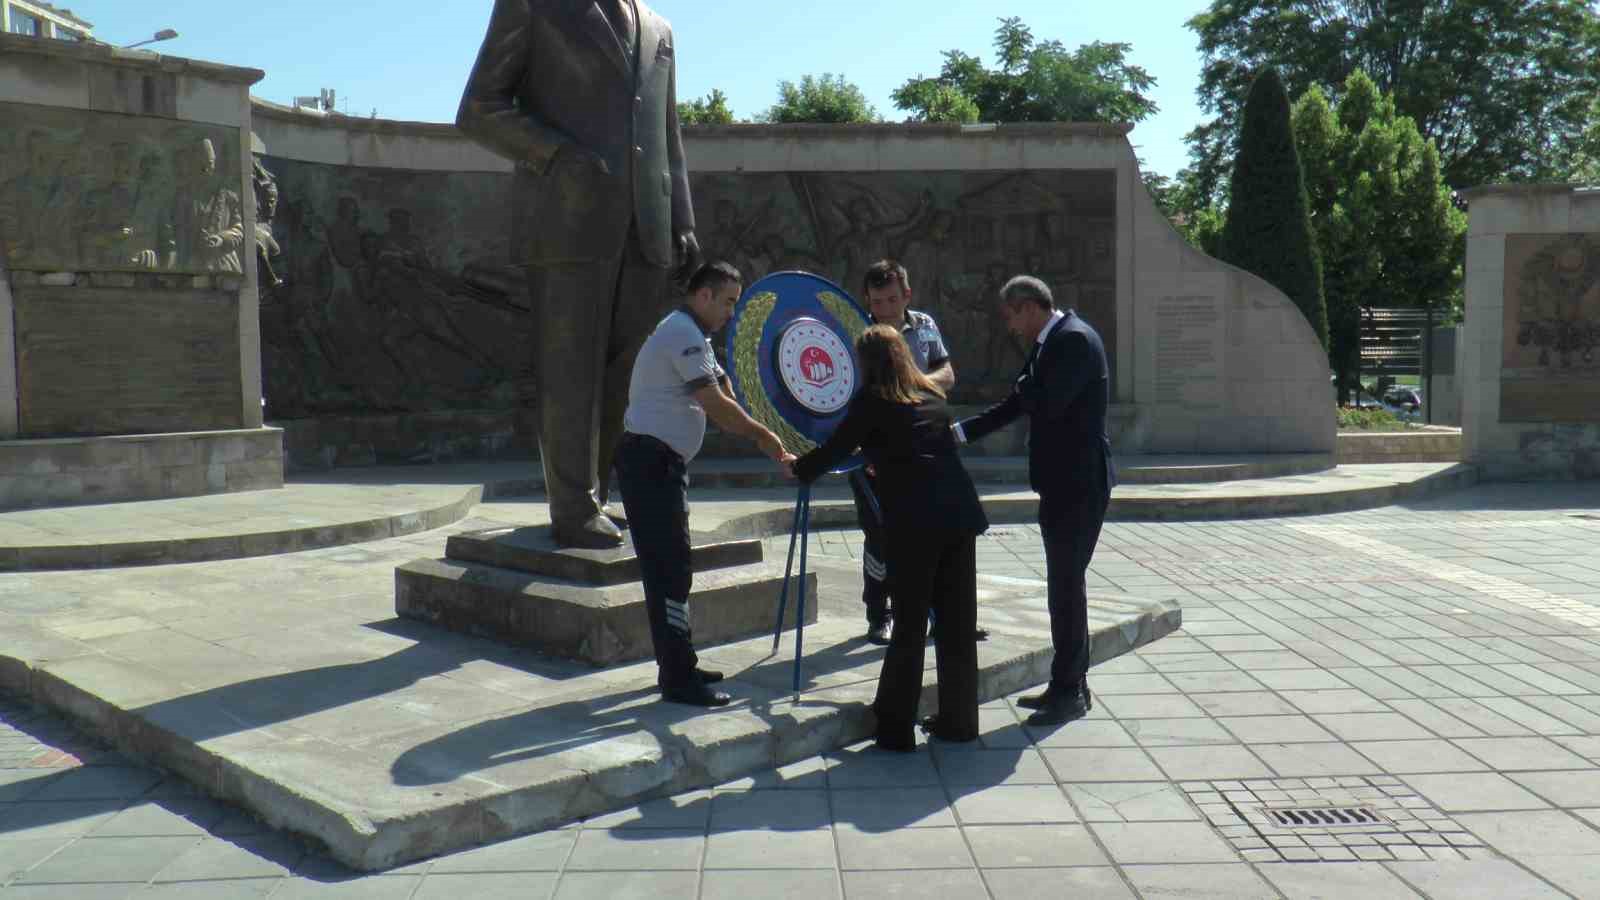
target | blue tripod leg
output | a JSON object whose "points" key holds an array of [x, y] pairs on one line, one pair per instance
{"points": [[800, 609], [783, 595]]}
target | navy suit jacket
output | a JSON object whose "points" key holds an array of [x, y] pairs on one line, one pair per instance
{"points": [[1064, 393]]}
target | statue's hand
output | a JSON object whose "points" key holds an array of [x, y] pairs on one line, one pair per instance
{"points": [[689, 257]]}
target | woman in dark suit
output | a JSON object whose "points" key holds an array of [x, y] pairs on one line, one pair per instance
{"points": [[932, 519]]}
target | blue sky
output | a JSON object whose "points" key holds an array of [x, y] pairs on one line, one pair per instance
{"points": [[408, 58]]}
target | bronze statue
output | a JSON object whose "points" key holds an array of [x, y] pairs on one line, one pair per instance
{"points": [[582, 97]]}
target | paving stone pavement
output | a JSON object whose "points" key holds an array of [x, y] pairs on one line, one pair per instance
{"points": [[1437, 663]]}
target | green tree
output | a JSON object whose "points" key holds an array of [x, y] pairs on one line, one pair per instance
{"points": [[824, 98], [712, 109], [1035, 82], [1385, 225], [1502, 87], [1268, 228]]}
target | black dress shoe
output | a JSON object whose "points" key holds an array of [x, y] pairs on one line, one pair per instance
{"points": [[1058, 710], [696, 695], [595, 533], [878, 634], [708, 676], [934, 728], [1035, 701], [1088, 699]]}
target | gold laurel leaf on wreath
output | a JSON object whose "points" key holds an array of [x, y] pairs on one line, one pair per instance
{"points": [[745, 349], [845, 313]]}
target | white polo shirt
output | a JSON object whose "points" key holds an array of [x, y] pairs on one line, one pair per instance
{"points": [[675, 362]]}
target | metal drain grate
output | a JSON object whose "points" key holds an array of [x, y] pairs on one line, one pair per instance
{"points": [[1331, 819], [1327, 816]]}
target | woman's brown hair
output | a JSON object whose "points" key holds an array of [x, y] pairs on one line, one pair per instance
{"points": [[887, 368]]}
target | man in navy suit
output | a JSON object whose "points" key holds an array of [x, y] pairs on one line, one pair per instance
{"points": [[1064, 389]]}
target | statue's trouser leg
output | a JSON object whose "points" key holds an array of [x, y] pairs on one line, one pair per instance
{"points": [[588, 320], [642, 299]]}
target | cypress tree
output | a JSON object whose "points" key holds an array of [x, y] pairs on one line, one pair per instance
{"points": [[1268, 229]]}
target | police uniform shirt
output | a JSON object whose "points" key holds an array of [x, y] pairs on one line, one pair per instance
{"points": [[924, 339], [675, 361]]}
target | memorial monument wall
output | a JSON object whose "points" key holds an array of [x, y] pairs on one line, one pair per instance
{"points": [[1530, 355], [399, 334], [129, 333]]}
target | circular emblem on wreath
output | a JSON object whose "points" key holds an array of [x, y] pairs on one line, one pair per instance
{"points": [[815, 366]]}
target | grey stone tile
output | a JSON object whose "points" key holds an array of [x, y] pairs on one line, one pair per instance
{"points": [[659, 849], [1230, 681], [867, 768], [808, 774], [1010, 846], [1407, 757], [912, 848], [1578, 875], [937, 884], [961, 766], [155, 820], [1314, 760], [1535, 833], [887, 808], [797, 810], [1517, 754], [1209, 763], [1176, 732], [1587, 746], [1148, 706], [1245, 703], [626, 885], [1221, 882], [73, 891], [546, 851], [1131, 802], [1086, 733], [771, 849], [1301, 680], [1334, 701], [691, 809], [222, 889], [259, 856], [1146, 683], [1435, 719], [1101, 883], [800, 884], [17, 857], [110, 859], [1387, 726], [1474, 791], [486, 886], [1369, 881], [24, 784], [57, 819], [1274, 729], [368, 887], [1163, 843], [1101, 764], [1012, 805], [1563, 788]]}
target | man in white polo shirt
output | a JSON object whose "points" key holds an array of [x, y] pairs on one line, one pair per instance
{"points": [[676, 383]]}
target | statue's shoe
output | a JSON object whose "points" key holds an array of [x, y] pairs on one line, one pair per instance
{"points": [[619, 519], [595, 533]]}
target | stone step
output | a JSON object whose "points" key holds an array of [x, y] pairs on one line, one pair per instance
{"points": [[514, 743]]}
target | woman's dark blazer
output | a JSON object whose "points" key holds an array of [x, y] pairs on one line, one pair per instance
{"points": [[922, 485]]}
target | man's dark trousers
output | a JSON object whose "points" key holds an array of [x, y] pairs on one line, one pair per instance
{"points": [[1070, 524], [874, 551], [655, 482]]}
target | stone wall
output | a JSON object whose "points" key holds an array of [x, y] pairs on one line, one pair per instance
{"points": [[396, 302], [128, 305], [1530, 355]]}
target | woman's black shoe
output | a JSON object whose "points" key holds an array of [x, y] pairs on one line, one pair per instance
{"points": [[696, 695], [934, 728]]}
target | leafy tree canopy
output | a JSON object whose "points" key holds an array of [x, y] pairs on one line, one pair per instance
{"points": [[824, 98], [712, 109], [1504, 88], [1035, 81]]}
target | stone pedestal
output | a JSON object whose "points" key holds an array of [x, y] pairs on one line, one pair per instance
{"points": [[515, 585]]}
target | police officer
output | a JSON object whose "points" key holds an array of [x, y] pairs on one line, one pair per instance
{"points": [[887, 286], [676, 383]]}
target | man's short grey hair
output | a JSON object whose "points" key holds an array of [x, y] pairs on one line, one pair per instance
{"points": [[1027, 289]]}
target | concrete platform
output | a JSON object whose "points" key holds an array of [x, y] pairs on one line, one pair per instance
{"points": [[358, 505], [388, 741]]}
